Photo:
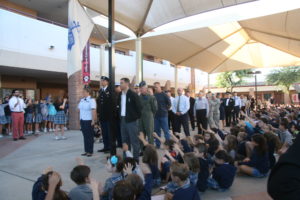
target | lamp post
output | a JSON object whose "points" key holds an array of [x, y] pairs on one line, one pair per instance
{"points": [[255, 73]]}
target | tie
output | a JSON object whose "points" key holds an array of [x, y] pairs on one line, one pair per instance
{"points": [[178, 104]]}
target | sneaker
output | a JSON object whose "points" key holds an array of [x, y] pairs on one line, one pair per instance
{"points": [[37, 132], [10, 133], [45, 130], [66, 128], [56, 138], [63, 137], [1, 136]]}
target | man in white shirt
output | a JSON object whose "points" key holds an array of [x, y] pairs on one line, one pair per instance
{"points": [[17, 106], [201, 111], [180, 108], [130, 113], [237, 107]]}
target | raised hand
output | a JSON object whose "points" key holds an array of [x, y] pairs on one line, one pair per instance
{"points": [[128, 168], [54, 179]]}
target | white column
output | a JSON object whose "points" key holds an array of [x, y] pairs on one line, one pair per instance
{"points": [[139, 60], [102, 60], [176, 79], [208, 82]]}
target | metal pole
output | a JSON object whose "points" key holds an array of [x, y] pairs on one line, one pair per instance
{"points": [[138, 57], [208, 83], [102, 60], [176, 79], [111, 48], [255, 91]]}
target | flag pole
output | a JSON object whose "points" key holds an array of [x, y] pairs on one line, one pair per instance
{"points": [[111, 47]]}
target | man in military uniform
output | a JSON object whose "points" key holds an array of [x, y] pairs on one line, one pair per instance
{"points": [[106, 108], [149, 108]]}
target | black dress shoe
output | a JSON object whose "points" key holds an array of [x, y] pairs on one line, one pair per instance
{"points": [[103, 150], [89, 155], [107, 151], [22, 138], [15, 139], [84, 154]]}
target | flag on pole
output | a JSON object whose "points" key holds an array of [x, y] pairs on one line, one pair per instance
{"points": [[79, 30]]}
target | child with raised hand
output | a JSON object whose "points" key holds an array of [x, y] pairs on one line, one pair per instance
{"points": [[47, 187], [223, 174], [258, 164], [131, 166], [115, 166], [150, 158], [212, 143], [230, 145], [192, 162], [200, 153], [185, 190], [141, 191], [183, 141]]}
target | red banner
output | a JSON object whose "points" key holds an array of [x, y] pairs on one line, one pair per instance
{"points": [[86, 75]]}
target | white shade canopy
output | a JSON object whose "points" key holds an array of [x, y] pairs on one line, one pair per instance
{"points": [[268, 41], [142, 16]]}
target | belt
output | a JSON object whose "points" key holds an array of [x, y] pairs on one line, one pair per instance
{"points": [[16, 112]]}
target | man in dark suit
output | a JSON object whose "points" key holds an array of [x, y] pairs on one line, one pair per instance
{"points": [[106, 108], [191, 110], [130, 111], [229, 106]]}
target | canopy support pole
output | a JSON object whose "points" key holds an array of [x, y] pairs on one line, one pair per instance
{"points": [[139, 60], [176, 79], [193, 81], [208, 82], [111, 38], [102, 60]]}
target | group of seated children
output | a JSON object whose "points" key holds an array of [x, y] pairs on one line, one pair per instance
{"points": [[183, 169]]}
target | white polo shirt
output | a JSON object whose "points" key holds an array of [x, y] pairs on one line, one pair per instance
{"points": [[85, 106]]}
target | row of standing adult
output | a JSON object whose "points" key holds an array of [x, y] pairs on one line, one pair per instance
{"points": [[209, 110], [124, 113]]}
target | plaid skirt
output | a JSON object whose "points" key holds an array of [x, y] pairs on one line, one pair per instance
{"points": [[3, 120], [51, 118], [29, 118], [38, 118], [60, 118], [8, 119]]}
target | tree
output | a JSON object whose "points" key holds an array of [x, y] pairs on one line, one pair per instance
{"points": [[284, 78], [229, 80]]}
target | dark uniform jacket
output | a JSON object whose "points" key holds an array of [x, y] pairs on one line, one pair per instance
{"points": [[230, 105], [106, 104]]}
